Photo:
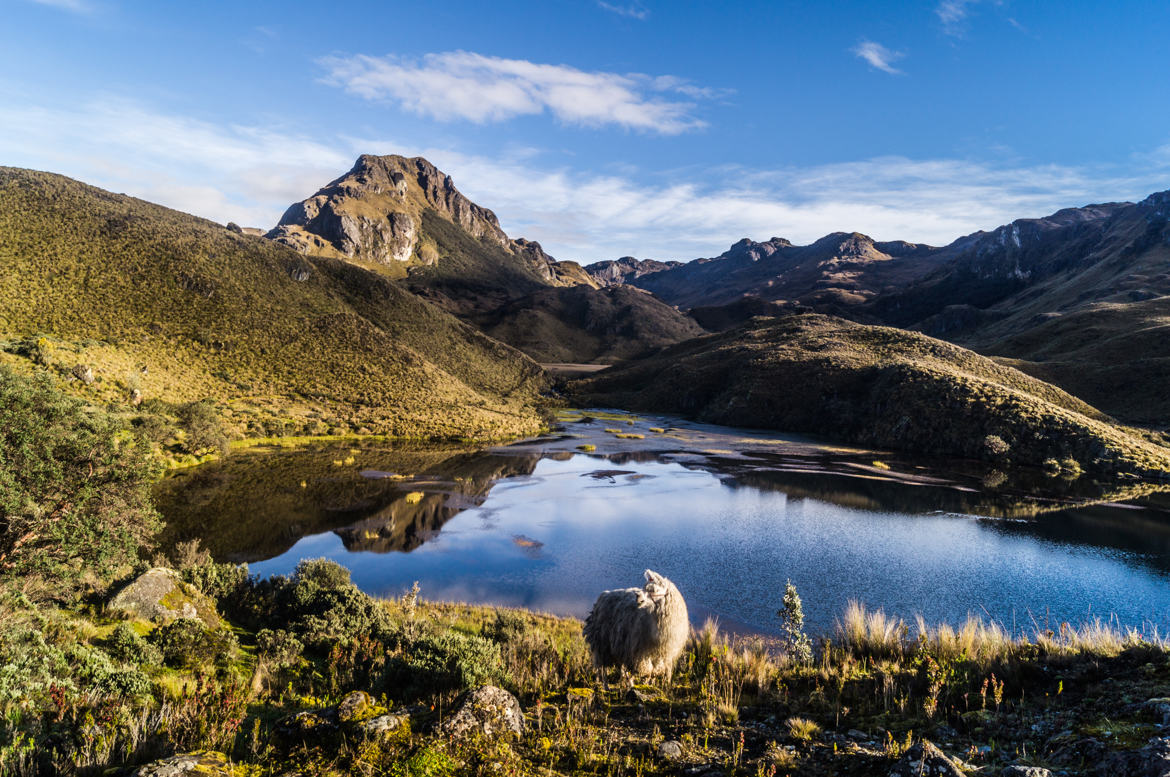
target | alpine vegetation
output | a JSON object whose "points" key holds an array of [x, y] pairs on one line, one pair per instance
{"points": [[643, 630]]}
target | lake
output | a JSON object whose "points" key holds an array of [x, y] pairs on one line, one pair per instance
{"points": [[729, 515]]}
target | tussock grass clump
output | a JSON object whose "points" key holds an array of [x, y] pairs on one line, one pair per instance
{"points": [[870, 633], [802, 730]]}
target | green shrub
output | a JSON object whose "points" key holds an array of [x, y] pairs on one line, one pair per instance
{"points": [[995, 447], [507, 627], [322, 573], [74, 485], [185, 643], [278, 647], [442, 662], [127, 645], [99, 675], [221, 582], [320, 606], [204, 429], [29, 667], [321, 616]]}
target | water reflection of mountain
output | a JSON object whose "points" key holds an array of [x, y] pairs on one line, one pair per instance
{"points": [[256, 505], [1141, 528], [409, 521], [895, 494]]}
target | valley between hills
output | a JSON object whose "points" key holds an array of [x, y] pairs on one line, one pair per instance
{"points": [[389, 304], [387, 318]]}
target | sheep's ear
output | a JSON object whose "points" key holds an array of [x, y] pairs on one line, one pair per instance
{"points": [[652, 576]]}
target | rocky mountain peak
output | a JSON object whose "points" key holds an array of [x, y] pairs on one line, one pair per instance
{"points": [[374, 213]]}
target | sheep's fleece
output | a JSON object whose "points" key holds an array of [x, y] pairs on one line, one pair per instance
{"points": [[641, 629]]}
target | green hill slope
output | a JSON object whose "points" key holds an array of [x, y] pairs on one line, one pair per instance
{"points": [[876, 386], [182, 308]]}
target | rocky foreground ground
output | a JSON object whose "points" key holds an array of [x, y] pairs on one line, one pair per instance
{"points": [[207, 671]]}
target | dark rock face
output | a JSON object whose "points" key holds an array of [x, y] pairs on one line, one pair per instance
{"points": [[841, 269], [373, 213]]}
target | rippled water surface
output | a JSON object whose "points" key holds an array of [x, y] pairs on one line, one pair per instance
{"points": [[547, 527]]}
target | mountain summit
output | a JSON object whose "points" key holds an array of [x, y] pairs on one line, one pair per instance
{"points": [[374, 214]]}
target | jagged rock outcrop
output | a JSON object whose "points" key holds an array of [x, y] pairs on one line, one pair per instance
{"points": [[204, 763], [405, 218], [614, 272], [488, 712]]}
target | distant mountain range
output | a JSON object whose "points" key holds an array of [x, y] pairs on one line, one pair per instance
{"points": [[1080, 298]]}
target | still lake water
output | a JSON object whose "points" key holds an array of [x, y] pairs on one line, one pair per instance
{"points": [[547, 528]]}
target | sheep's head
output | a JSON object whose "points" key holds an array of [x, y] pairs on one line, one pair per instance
{"points": [[657, 586]]}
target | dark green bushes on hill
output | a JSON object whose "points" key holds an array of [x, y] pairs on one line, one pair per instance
{"points": [[74, 486]]}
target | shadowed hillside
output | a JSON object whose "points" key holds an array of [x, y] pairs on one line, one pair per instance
{"points": [[877, 386], [157, 304], [580, 324]]}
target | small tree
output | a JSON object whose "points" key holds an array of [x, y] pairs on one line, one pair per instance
{"points": [[74, 485], [203, 426], [792, 624]]}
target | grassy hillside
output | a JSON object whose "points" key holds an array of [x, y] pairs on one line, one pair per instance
{"points": [[181, 308], [877, 386]]}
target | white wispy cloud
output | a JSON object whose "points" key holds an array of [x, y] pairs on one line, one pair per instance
{"points": [[250, 175], [952, 14], [878, 56], [465, 85], [632, 10]]}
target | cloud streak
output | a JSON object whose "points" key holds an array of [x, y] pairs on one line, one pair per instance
{"points": [[250, 175], [464, 85], [631, 10], [878, 56]]}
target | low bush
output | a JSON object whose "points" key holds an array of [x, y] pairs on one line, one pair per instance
{"points": [[442, 662], [128, 646], [74, 487], [186, 643]]}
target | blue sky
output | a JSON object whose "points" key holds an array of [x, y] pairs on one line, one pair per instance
{"points": [[658, 129]]}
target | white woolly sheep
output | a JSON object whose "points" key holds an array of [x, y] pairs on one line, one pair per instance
{"points": [[643, 630]]}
